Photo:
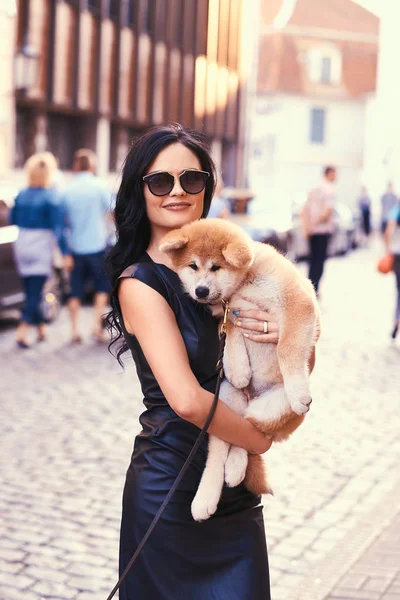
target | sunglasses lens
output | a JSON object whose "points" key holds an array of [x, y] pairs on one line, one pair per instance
{"points": [[193, 182], [160, 184]]}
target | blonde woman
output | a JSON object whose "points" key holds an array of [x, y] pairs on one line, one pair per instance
{"points": [[38, 215]]}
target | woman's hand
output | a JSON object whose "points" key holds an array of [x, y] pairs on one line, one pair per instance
{"points": [[68, 262], [257, 325]]}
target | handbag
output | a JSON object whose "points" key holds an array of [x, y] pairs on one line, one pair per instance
{"points": [[190, 457], [385, 264]]}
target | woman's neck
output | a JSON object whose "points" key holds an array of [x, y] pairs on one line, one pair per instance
{"points": [[152, 249]]}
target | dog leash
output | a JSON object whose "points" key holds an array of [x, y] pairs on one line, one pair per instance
{"points": [[222, 339]]}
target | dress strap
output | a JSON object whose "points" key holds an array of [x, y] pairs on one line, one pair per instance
{"points": [[149, 274], [128, 272]]}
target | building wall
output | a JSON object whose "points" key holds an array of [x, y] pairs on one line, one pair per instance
{"points": [[382, 153], [114, 75], [319, 54], [7, 113], [285, 161]]}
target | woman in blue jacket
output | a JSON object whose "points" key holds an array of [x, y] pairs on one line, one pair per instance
{"points": [[38, 214]]}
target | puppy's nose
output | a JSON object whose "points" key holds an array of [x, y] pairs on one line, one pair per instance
{"points": [[202, 292]]}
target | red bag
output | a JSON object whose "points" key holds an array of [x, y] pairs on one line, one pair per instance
{"points": [[385, 264]]}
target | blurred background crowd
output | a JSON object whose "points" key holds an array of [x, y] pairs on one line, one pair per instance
{"points": [[298, 97]]}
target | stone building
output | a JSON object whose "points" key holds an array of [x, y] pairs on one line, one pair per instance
{"points": [[100, 71], [7, 112], [317, 72]]}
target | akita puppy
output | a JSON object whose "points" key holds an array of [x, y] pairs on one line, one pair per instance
{"points": [[266, 383]]}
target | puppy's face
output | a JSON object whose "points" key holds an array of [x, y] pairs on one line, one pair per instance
{"points": [[210, 258]]}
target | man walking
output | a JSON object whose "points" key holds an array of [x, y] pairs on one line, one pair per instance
{"points": [[388, 201], [87, 203], [317, 217]]}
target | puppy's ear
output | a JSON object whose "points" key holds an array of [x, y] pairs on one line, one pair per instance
{"points": [[238, 254], [174, 240]]}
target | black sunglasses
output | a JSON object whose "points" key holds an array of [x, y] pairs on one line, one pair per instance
{"points": [[191, 181]]}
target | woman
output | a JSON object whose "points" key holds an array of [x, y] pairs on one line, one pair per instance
{"points": [[168, 181], [39, 218], [392, 239]]}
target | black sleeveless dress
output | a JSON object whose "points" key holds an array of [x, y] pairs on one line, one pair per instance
{"points": [[223, 558]]}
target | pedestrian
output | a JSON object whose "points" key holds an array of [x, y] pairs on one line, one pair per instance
{"points": [[388, 201], [38, 215], [364, 203], [318, 222], [87, 205], [392, 241], [167, 182]]}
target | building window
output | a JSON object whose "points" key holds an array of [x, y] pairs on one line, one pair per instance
{"points": [[93, 5], [324, 64], [112, 9], [147, 23], [317, 133], [132, 8], [326, 69]]}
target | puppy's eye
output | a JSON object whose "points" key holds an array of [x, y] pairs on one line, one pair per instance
{"points": [[193, 266], [215, 268]]}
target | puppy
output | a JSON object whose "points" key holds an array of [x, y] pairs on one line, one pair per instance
{"points": [[266, 383]]}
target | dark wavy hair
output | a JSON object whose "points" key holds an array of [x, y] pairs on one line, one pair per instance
{"points": [[132, 224]]}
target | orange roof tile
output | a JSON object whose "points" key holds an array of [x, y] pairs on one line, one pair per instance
{"points": [[280, 69], [359, 67], [269, 10], [340, 15]]}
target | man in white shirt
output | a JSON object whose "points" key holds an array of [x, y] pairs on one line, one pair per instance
{"points": [[87, 205], [318, 221]]}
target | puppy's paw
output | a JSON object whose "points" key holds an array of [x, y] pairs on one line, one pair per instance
{"points": [[300, 405], [203, 507], [239, 380], [235, 466]]}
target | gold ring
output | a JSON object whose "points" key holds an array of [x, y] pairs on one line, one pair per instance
{"points": [[265, 326]]}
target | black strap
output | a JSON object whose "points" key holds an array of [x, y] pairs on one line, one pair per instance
{"points": [[182, 471]]}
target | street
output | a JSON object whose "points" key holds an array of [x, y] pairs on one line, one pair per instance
{"points": [[69, 417]]}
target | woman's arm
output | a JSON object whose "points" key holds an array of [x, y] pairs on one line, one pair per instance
{"points": [[12, 217], [149, 317], [57, 221]]}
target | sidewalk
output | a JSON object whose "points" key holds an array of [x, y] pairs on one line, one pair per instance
{"points": [[70, 416], [366, 564]]}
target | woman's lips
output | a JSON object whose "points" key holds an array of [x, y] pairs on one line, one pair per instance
{"points": [[177, 206]]}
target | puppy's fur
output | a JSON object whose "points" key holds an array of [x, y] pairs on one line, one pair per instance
{"points": [[217, 261]]}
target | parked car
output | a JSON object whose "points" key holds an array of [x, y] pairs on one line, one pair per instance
{"points": [[344, 238], [267, 222], [11, 293]]}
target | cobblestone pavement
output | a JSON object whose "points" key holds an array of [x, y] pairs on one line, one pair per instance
{"points": [[376, 575], [69, 416]]}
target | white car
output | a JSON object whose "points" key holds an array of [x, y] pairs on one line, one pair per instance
{"points": [[263, 218]]}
